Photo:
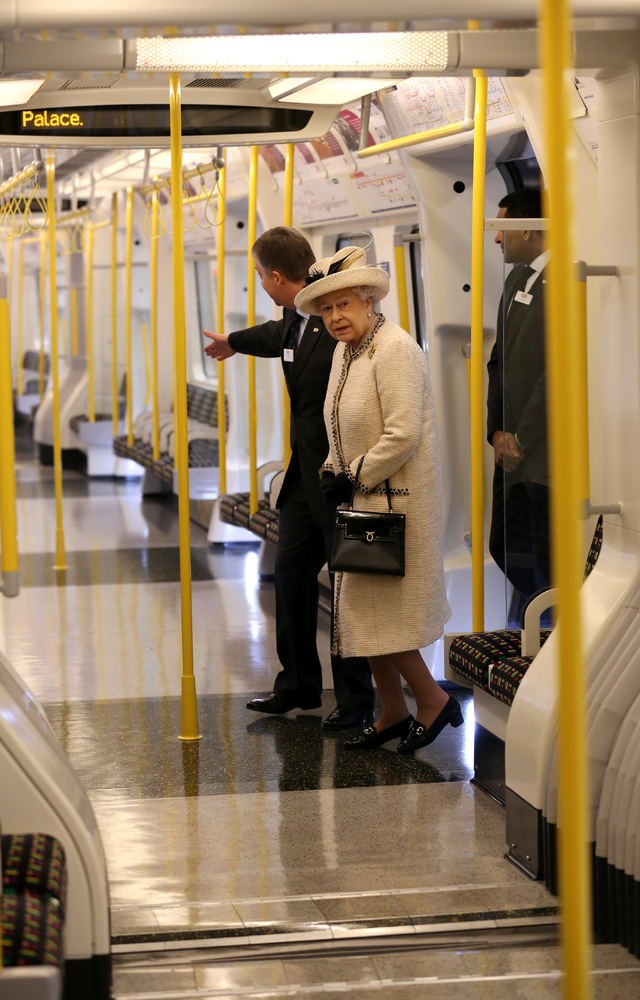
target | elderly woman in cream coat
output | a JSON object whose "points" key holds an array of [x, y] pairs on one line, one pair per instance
{"points": [[379, 408]]}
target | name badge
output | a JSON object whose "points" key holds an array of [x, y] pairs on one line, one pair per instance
{"points": [[288, 352], [523, 297]]}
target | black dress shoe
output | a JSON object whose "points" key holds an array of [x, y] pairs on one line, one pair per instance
{"points": [[343, 717], [275, 705], [371, 737], [422, 736]]}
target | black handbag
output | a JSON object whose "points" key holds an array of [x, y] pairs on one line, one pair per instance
{"points": [[367, 541]]}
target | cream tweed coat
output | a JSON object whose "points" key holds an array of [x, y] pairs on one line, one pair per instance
{"points": [[379, 405]]}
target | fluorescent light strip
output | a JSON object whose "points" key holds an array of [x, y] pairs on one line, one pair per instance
{"points": [[363, 52]]}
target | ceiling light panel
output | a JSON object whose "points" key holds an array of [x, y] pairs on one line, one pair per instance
{"points": [[365, 52], [18, 91], [336, 90]]}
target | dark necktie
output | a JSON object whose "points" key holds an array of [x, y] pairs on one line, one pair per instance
{"points": [[521, 283], [293, 336]]}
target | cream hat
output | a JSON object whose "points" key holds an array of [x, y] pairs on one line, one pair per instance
{"points": [[343, 270]]}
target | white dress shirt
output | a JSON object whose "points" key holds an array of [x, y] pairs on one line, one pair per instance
{"points": [[538, 265]]}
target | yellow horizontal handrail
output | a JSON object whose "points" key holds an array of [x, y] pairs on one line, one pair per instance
{"points": [[456, 128], [79, 214], [198, 171], [417, 138], [12, 183]]}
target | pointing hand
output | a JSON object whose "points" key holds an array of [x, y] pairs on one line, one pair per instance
{"points": [[219, 348]]}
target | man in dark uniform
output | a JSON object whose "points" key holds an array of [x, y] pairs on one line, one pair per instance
{"points": [[517, 408], [282, 259]]}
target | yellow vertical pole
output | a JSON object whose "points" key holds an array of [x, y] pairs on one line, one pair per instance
{"points": [[401, 281], [74, 321], [10, 280], [60, 561], [147, 363], [563, 374], [583, 384], [477, 326], [114, 316], [155, 207], [288, 221], [20, 316], [8, 513], [222, 412], [251, 319], [43, 278], [189, 702], [128, 268], [90, 358]]}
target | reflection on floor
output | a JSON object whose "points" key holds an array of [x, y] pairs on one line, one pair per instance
{"points": [[129, 749], [267, 833]]}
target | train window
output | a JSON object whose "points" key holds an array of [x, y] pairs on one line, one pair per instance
{"points": [[518, 165], [417, 285], [358, 239], [205, 281]]}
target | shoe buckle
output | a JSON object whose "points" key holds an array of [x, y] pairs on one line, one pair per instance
{"points": [[369, 731]]}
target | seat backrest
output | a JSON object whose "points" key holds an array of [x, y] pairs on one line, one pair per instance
{"points": [[31, 362], [202, 404]]}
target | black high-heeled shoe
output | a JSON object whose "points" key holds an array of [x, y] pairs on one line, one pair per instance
{"points": [[370, 737], [421, 736]]}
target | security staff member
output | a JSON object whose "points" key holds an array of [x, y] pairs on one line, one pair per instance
{"points": [[282, 259], [517, 406]]}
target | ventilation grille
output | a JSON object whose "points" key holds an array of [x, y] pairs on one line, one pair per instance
{"points": [[228, 81], [90, 83]]}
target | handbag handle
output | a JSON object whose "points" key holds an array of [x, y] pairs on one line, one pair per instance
{"points": [[355, 487]]}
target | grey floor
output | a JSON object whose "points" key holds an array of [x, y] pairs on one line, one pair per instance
{"points": [[266, 834]]}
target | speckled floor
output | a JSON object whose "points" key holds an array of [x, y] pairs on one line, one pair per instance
{"points": [[266, 830]]}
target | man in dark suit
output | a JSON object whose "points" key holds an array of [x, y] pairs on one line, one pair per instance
{"points": [[517, 407], [282, 259]]}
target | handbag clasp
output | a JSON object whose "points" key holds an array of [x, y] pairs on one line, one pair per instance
{"points": [[370, 535]]}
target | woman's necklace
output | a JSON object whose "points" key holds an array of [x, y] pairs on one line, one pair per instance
{"points": [[377, 321]]}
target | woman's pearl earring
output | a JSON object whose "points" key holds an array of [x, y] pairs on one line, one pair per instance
{"points": [[369, 315]]}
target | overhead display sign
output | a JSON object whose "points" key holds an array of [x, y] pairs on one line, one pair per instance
{"points": [[131, 121]]}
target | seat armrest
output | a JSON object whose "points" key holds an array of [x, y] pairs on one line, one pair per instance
{"points": [[534, 611], [268, 469], [31, 982]]}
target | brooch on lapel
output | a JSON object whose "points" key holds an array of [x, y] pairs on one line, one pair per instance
{"points": [[372, 350]]}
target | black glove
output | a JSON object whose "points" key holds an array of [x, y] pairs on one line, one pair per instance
{"points": [[335, 489]]}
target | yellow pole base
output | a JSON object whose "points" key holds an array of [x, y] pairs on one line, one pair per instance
{"points": [[60, 562], [189, 709]]}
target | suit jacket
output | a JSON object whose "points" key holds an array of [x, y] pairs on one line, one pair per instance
{"points": [[517, 397], [307, 378]]}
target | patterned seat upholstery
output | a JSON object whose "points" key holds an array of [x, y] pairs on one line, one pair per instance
{"points": [[472, 655], [264, 519], [31, 362], [31, 930], [234, 509], [34, 881], [506, 676], [493, 660], [202, 406]]}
